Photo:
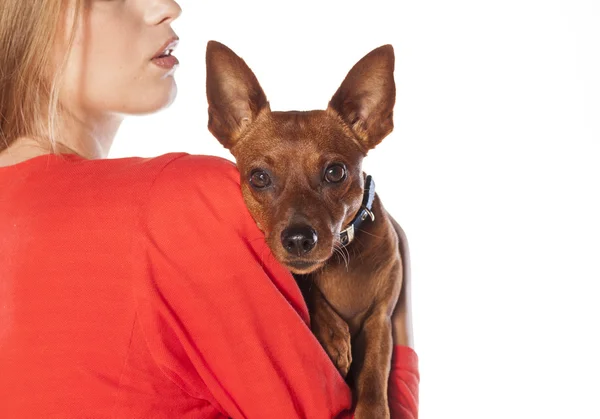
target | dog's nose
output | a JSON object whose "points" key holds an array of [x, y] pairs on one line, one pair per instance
{"points": [[299, 240]]}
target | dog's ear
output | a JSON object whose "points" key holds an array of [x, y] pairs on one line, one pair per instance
{"points": [[366, 98], [234, 95]]}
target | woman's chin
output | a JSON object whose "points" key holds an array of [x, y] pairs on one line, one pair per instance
{"points": [[154, 100]]}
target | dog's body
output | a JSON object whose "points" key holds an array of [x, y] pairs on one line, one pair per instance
{"points": [[303, 184], [363, 291]]}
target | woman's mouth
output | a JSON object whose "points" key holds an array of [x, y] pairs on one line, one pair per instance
{"points": [[164, 58]]}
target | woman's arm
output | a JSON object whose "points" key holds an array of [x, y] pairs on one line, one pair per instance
{"points": [[402, 317], [403, 391]]}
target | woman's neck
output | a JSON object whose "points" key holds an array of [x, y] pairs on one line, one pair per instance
{"points": [[89, 137], [90, 140]]}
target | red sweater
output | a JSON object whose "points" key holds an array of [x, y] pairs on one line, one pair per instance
{"points": [[142, 288]]}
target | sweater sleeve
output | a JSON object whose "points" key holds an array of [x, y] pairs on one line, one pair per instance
{"points": [[219, 314], [403, 385]]}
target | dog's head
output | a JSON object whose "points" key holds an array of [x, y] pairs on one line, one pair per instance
{"points": [[301, 172]]}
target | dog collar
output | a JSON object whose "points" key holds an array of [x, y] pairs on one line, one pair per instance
{"points": [[347, 235]]}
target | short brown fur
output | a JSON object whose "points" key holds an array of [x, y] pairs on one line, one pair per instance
{"points": [[351, 292]]}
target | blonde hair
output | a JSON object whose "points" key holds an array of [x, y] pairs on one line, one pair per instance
{"points": [[30, 77]]}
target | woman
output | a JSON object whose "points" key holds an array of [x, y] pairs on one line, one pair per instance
{"points": [[138, 287]]}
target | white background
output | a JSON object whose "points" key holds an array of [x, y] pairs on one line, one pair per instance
{"points": [[492, 170]]}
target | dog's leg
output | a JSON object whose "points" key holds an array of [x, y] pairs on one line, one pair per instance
{"points": [[330, 330], [372, 355]]}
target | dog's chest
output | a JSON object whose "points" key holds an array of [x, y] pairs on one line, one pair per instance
{"points": [[350, 295]]}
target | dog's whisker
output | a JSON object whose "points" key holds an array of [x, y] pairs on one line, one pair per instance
{"points": [[360, 255], [345, 249], [335, 252], [370, 234], [338, 253], [340, 250], [346, 261]]}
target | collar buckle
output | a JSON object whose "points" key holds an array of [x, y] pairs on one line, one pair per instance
{"points": [[368, 212]]}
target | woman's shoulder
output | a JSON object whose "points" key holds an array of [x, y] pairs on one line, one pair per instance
{"points": [[176, 166], [183, 173], [185, 167], [166, 176], [197, 189]]}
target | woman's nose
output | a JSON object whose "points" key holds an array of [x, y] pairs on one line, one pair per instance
{"points": [[161, 11]]}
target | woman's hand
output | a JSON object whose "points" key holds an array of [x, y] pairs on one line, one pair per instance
{"points": [[402, 316]]}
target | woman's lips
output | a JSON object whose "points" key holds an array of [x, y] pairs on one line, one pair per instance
{"points": [[166, 61], [164, 58]]}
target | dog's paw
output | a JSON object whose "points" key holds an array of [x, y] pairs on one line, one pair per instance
{"points": [[334, 335]]}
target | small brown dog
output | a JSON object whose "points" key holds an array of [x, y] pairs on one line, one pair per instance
{"points": [[302, 181]]}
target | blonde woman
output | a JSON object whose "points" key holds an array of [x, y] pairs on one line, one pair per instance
{"points": [[138, 287]]}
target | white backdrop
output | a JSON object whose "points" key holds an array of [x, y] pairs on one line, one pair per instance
{"points": [[492, 170]]}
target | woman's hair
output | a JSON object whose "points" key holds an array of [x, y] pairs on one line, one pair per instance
{"points": [[30, 75]]}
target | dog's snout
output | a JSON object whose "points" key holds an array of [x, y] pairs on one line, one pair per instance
{"points": [[299, 240]]}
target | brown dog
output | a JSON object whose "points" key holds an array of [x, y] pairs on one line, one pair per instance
{"points": [[302, 181]]}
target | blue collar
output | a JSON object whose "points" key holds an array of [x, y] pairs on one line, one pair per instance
{"points": [[347, 235]]}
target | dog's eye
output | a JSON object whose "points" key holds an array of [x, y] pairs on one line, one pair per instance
{"points": [[335, 173], [260, 179]]}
